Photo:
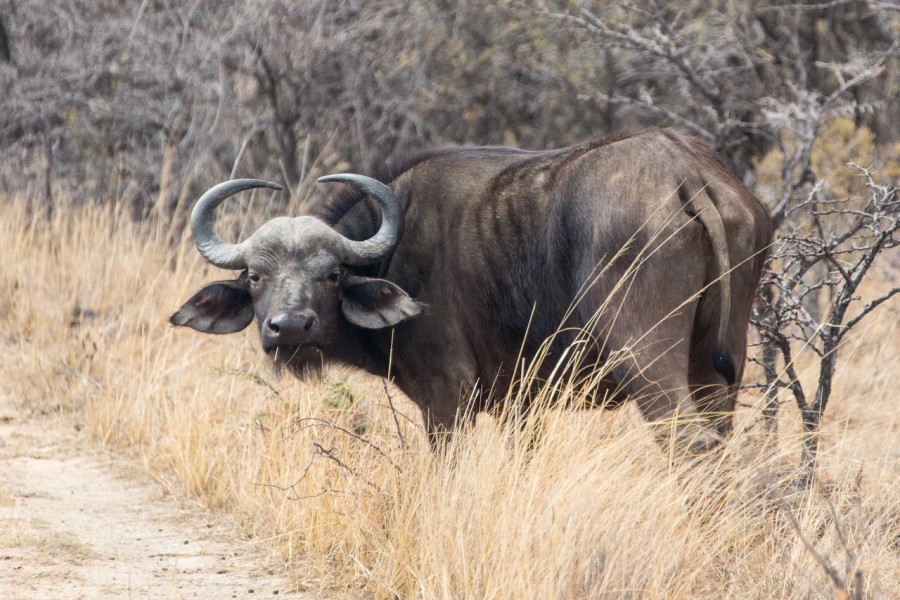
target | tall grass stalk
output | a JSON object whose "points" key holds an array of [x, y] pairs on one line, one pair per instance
{"points": [[549, 503]]}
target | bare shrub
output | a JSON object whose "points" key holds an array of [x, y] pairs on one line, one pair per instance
{"points": [[838, 240]]}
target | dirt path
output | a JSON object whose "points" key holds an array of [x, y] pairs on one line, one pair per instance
{"points": [[75, 525]]}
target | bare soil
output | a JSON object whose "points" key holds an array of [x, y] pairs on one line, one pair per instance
{"points": [[75, 524]]}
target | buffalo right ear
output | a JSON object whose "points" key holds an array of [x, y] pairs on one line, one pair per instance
{"points": [[220, 307]]}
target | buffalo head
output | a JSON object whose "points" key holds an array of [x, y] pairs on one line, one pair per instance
{"points": [[296, 278]]}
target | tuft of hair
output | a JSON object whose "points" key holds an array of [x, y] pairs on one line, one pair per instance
{"points": [[723, 363]]}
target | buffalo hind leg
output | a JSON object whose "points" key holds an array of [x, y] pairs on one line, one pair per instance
{"points": [[673, 414], [656, 377], [715, 403], [647, 332]]}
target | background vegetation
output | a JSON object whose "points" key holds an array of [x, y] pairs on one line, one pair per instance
{"points": [[115, 116], [104, 99]]}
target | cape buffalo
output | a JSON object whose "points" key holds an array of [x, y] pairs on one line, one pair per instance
{"points": [[641, 252]]}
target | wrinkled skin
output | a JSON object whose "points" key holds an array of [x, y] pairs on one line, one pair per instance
{"points": [[483, 255]]}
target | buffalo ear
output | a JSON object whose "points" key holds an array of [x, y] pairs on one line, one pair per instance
{"points": [[220, 307], [376, 303]]}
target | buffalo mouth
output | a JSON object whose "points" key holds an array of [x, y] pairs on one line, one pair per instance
{"points": [[301, 352], [305, 361]]}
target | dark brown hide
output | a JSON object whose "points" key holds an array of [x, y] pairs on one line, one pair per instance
{"points": [[498, 242]]}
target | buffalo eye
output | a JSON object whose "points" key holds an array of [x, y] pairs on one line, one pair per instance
{"points": [[334, 275], [254, 279]]}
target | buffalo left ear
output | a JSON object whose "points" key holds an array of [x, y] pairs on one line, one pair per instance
{"points": [[220, 307], [376, 303]]}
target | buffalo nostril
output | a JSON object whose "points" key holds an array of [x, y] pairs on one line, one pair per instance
{"points": [[276, 323], [310, 323]]}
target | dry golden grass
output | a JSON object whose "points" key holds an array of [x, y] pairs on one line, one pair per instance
{"points": [[346, 494]]}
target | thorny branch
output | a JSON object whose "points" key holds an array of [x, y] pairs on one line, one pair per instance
{"points": [[390, 399], [825, 255], [331, 453], [251, 375], [767, 488], [306, 422]]}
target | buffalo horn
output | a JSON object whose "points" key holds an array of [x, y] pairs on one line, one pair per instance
{"points": [[385, 240], [213, 248]]}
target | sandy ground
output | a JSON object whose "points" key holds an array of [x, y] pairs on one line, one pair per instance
{"points": [[75, 524]]}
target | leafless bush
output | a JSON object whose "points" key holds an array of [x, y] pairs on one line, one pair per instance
{"points": [[845, 236], [745, 76], [369, 81], [101, 101], [138, 102]]}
